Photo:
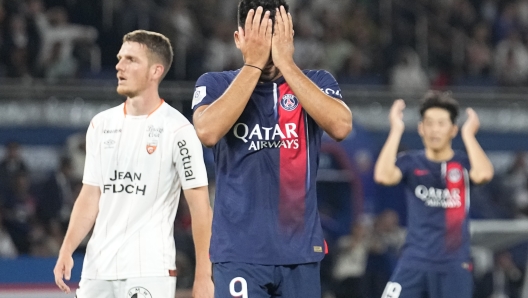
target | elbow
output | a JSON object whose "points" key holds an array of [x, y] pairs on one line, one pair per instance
{"points": [[207, 137], [380, 179], [384, 179], [341, 131], [483, 178]]}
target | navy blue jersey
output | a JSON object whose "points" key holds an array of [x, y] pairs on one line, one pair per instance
{"points": [[265, 209], [438, 202]]}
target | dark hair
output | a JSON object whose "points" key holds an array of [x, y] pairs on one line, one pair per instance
{"points": [[245, 5], [157, 44], [442, 100]]}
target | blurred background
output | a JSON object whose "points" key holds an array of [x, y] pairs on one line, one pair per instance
{"points": [[57, 70]]}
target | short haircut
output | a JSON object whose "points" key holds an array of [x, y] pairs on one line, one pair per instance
{"points": [[158, 45], [244, 6], [442, 100]]}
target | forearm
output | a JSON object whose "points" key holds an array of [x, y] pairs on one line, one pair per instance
{"points": [[331, 114], [82, 220], [385, 170], [481, 167], [215, 120], [202, 217], [201, 230]]}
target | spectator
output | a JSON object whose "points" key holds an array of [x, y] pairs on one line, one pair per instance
{"points": [[351, 263], [7, 246], [478, 52], [9, 166], [511, 61], [59, 38], [20, 212], [408, 75], [56, 198], [221, 52]]}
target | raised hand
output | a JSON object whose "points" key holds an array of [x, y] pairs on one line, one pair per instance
{"points": [[254, 40], [396, 115], [472, 124], [282, 42]]}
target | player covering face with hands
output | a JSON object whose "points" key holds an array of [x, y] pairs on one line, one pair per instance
{"points": [[265, 123], [436, 257]]}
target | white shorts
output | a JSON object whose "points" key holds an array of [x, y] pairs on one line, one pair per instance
{"points": [[140, 287]]}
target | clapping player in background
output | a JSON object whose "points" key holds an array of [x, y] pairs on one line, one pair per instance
{"points": [[436, 256]]}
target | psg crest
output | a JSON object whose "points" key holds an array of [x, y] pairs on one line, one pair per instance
{"points": [[454, 175], [289, 102]]}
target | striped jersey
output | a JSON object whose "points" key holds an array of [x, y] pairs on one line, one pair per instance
{"points": [[140, 164], [438, 195], [265, 209]]}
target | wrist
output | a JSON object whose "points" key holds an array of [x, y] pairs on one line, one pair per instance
{"points": [[397, 130], [286, 65]]}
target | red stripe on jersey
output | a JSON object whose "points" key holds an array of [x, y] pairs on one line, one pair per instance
{"points": [[456, 183], [293, 161]]}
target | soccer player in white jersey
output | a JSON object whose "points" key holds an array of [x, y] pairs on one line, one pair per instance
{"points": [[139, 155]]}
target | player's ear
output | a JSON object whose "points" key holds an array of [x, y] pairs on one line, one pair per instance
{"points": [[454, 131], [237, 38], [156, 71], [420, 129]]}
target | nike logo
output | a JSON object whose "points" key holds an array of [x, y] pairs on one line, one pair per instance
{"points": [[420, 172]]}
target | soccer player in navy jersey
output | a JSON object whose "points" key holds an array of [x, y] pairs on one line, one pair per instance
{"points": [[265, 122], [435, 260]]}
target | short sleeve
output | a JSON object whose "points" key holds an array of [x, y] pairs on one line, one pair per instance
{"points": [[403, 162], [209, 87], [188, 158], [328, 84], [92, 170]]}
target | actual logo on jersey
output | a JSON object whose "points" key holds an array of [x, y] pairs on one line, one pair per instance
{"points": [[454, 175], [289, 102], [151, 146], [139, 292]]}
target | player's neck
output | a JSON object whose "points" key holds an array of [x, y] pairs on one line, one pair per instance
{"points": [[143, 104], [439, 155]]}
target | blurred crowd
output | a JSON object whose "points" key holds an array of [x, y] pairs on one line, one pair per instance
{"points": [[411, 45]]}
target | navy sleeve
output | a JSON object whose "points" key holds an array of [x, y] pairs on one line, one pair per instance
{"points": [[327, 83], [209, 87], [403, 162]]}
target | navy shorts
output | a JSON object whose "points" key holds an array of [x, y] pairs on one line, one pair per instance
{"points": [[422, 283], [243, 280]]}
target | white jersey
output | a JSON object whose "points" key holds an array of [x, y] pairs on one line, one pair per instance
{"points": [[140, 163]]}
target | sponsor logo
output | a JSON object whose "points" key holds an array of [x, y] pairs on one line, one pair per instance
{"points": [[289, 102], [436, 197], [112, 131], [154, 132], [261, 137], [139, 292], [332, 92], [125, 182], [454, 175], [420, 172], [109, 144], [186, 160]]}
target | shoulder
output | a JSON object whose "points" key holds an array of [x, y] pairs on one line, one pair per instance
{"points": [[173, 119], [222, 77], [410, 155], [116, 112], [318, 74]]}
